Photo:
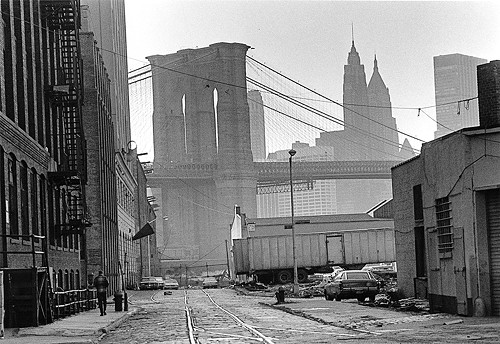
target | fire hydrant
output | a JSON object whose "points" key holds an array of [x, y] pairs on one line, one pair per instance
{"points": [[118, 301], [280, 295]]}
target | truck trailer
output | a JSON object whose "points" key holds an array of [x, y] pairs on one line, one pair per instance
{"points": [[270, 258]]}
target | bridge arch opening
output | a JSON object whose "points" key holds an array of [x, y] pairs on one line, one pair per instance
{"points": [[216, 101], [185, 123]]}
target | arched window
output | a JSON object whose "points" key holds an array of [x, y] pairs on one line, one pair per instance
{"points": [[72, 280], [4, 211], [58, 212], [24, 199], [43, 207], [66, 280], [60, 279], [12, 220], [50, 211], [35, 204], [77, 279]]}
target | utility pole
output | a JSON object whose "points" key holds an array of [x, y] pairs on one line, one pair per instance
{"points": [[295, 277]]}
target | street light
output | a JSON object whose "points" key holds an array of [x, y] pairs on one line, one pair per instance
{"points": [[295, 275]]}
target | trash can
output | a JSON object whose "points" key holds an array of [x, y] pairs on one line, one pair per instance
{"points": [[118, 301]]}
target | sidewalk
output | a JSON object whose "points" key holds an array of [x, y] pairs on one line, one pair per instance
{"points": [[82, 328]]}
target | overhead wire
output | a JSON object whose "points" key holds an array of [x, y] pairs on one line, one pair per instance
{"points": [[326, 116], [239, 86], [335, 102], [142, 61], [331, 118]]}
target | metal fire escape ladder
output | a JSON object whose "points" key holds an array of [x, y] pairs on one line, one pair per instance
{"points": [[63, 18]]}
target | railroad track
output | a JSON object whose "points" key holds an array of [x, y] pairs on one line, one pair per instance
{"points": [[211, 317], [210, 321]]}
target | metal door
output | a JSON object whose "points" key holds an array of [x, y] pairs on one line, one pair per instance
{"points": [[493, 221], [335, 249], [459, 270]]}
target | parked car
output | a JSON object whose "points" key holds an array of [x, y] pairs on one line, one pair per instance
{"points": [[350, 284], [170, 283], [336, 269], [385, 270], [209, 282], [151, 283]]}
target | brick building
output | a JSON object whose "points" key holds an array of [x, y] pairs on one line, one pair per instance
{"points": [[101, 239], [42, 156], [447, 213], [106, 19]]}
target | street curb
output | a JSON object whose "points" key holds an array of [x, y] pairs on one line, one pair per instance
{"points": [[105, 329]]}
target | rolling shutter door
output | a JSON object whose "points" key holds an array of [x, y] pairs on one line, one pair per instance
{"points": [[493, 217]]}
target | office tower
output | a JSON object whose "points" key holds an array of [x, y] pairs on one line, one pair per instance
{"points": [[320, 200], [455, 79]]}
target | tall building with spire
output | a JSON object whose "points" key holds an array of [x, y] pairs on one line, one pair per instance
{"points": [[370, 133]]}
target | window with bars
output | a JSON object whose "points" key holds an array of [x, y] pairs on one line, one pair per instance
{"points": [[443, 225]]}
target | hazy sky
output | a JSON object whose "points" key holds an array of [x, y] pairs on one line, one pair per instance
{"points": [[309, 40]]}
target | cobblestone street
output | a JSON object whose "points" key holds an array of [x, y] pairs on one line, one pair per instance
{"points": [[161, 318]]}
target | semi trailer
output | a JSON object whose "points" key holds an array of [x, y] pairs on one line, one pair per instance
{"points": [[270, 258]]}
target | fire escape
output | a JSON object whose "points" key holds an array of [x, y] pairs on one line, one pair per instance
{"points": [[66, 94]]}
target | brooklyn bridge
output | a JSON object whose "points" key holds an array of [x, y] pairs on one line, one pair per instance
{"points": [[204, 159]]}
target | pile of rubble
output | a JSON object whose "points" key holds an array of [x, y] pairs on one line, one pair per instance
{"points": [[389, 297], [408, 304]]}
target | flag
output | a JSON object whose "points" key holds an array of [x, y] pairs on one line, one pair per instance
{"points": [[145, 231]]}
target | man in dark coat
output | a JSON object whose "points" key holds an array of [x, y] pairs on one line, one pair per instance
{"points": [[101, 284]]}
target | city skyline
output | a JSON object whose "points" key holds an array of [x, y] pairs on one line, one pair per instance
{"points": [[405, 36]]}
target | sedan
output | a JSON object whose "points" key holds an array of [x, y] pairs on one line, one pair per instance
{"points": [[151, 283], [210, 282], [352, 284], [170, 283]]}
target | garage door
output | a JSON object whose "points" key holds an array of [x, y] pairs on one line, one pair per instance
{"points": [[493, 216]]}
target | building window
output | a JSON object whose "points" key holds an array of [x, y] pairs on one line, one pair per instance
{"points": [[24, 199], [43, 207], [77, 279], [60, 280], [12, 200], [66, 280], [418, 207], [443, 225], [420, 253], [50, 209], [34, 204], [58, 212]]}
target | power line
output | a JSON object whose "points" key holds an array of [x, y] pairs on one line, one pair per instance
{"points": [[333, 101], [326, 116]]}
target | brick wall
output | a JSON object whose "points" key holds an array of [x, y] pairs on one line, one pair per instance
{"points": [[488, 82]]}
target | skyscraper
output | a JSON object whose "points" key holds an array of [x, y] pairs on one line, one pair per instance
{"points": [[318, 201], [370, 133], [455, 79]]}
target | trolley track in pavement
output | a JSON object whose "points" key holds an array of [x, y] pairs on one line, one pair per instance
{"points": [[221, 316], [233, 327]]}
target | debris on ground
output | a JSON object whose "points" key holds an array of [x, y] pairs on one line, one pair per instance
{"points": [[254, 286], [389, 297]]}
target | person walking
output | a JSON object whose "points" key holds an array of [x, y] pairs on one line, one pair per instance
{"points": [[101, 283]]}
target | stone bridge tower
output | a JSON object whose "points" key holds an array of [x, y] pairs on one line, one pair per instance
{"points": [[203, 162]]}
